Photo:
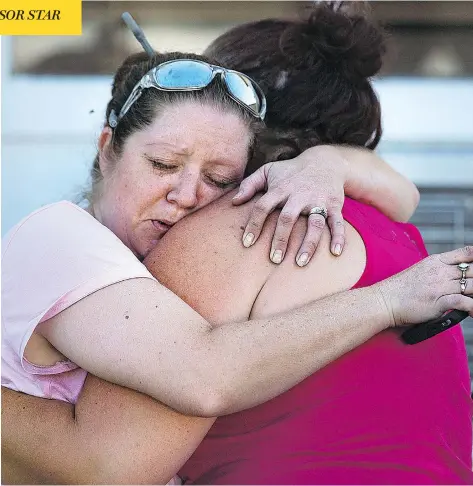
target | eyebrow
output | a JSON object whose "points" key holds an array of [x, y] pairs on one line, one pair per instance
{"points": [[224, 164], [218, 160], [168, 145]]}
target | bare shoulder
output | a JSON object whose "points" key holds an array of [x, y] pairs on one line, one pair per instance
{"points": [[289, 286], [203, 261]]}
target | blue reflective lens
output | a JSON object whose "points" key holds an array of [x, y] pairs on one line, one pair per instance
{"points": [[241, 89], [183, 74]]}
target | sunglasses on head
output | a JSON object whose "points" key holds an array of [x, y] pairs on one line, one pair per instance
{"points": [[194, 75]]}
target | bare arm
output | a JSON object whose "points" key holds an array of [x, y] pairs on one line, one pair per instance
{"points": [[112, 436], [373, 181], [179, 359]]}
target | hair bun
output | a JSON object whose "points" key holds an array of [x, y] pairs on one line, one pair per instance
{"points": [[340, 35]]}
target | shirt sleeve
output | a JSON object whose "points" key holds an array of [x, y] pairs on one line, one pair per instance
{"points": [[52, 259]]}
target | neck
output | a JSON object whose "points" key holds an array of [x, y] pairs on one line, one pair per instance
{"points": [[94, 210]]}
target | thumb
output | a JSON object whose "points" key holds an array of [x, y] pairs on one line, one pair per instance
{"points": [[254, 183]]}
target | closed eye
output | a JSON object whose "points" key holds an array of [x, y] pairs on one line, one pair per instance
{"points": [[159, 164], [222, 183]]}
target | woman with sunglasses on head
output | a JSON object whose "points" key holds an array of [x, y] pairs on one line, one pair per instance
{"points": [[106, 314]]}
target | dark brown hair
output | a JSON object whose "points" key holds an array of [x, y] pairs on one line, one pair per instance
{"points": [[144, 110], [315, 74]]}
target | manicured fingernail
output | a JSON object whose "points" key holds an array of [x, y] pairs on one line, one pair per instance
{"points": [[337, 250], [302, 259], [276, 256], [248, 240]]}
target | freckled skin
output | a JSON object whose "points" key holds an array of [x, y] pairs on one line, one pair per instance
{"points": [[202, 143]]}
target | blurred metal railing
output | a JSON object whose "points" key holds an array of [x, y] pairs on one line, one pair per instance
{"points": [[445, 219]]}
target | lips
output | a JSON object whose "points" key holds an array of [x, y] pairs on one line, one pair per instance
{"points": [[162, 224]]}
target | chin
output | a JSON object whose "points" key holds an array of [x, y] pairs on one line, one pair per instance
{"points": [[147, 247]]}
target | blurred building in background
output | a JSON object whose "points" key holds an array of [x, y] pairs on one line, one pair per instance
{"points": [[54, 92]]}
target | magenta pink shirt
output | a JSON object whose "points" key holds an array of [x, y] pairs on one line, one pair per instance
{"points": [[385, 413]]}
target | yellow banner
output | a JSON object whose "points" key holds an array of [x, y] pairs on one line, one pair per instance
{"points": [[40, 17]]}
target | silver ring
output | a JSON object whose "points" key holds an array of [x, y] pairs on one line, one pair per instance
{"points": [[463, 267], [319, 210]]}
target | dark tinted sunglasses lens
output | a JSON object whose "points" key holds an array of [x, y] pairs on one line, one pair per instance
{"points": [[183, 74], [241, 88]]}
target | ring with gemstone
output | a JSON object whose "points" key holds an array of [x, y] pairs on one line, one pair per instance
{"points": [[463, 267], [319, 210]]}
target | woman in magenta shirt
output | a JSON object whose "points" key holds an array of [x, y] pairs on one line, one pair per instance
{"points": [[386, 412]]}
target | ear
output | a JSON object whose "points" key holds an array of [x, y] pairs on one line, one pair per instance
{"points": [[104, 142]]}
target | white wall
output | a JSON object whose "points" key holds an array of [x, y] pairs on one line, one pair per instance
{"points": [[50, 124]]}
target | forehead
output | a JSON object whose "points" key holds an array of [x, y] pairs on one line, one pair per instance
{"points": [[197, 129]]}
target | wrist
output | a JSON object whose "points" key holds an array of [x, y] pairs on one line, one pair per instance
{"points": [[338, 155], [381, 294], [335, 156]]}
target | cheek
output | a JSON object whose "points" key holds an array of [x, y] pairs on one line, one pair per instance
{"points": [[141, 187], [149, 191], [156, 187], [208, 194]]}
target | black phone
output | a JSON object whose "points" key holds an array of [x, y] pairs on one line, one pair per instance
{"points": [[426, 330]]}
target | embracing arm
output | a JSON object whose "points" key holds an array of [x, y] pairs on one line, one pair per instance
{"points": [[113, 435], [372, 181], [150, 341]]}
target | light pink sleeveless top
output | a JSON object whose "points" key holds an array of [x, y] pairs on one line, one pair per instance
{"points": [[52, 259]]}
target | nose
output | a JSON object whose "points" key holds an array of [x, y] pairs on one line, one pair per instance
{"points": [[184, 191]]}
